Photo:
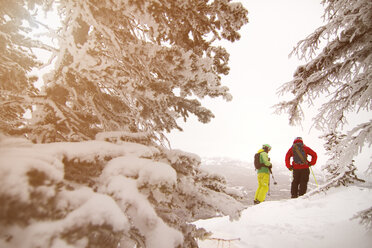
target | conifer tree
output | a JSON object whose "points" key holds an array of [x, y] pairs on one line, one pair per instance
{"points": [[342, 70], [16, 61], [120, 190], [134, 67], [119, 65]]}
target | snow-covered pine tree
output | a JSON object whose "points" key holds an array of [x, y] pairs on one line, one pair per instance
{"points": [[133, 65], [365, 217], [106, 194], [342, 69], [16, 61], [336, 175], [332, 140], [136, 66]]}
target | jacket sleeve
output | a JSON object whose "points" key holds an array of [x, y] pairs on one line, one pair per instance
{"points": [[265, 159], [313, 155], [288, 158]]}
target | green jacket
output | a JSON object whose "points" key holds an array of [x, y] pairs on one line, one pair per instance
{"points": [[264, 159]]}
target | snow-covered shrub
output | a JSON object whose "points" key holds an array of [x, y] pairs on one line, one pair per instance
{"points": [[365, 217], [102, 194], [337, 175]]}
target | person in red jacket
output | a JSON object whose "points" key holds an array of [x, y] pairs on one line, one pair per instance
{"points": [[300, 166]]}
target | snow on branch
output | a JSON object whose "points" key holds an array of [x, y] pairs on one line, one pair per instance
{"points": [[356, 139], [338, 71], [365, 217], [116, 136], [100, 194], [338, 176], [341, 68]]}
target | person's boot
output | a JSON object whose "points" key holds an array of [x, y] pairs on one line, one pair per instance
{"points": [[255, 202]]}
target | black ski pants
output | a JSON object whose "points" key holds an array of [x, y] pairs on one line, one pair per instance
{"points": [[299, 182]]}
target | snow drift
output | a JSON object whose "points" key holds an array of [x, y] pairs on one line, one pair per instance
{"points": [[322, 220]]}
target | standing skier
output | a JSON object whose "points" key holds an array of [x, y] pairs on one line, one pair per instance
{"points": [[300, 166], [263, 174]]}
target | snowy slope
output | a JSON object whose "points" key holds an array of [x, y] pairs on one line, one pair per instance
{"points": [[51, 190], [316, 222]]}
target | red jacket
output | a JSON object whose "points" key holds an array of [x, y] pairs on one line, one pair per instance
{"points": [[307, 150]]}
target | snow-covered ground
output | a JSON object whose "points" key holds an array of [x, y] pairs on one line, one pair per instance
{"points": [[323, 220], [51, 190]]}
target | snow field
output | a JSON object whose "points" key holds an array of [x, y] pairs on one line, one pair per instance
{"points": [[319, 221]]}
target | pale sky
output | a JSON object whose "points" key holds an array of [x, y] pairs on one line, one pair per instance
{"points": [[259, 66]]}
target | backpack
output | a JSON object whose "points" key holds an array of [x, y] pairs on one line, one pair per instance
{"points": [[257, 163], [299, 154]]}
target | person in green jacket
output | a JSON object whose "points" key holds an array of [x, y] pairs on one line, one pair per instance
{"points": [[263, 174]]}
